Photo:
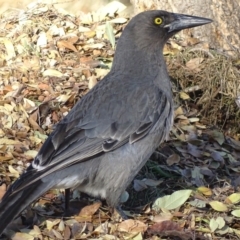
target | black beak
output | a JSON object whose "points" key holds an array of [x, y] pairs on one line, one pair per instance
{"points": [[185, 21]]}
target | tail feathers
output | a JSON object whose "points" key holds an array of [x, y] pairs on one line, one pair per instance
{"points": [[14, 203]]}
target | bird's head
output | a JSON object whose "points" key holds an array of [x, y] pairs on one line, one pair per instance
{"points": [[144, 36], [156, 26]]}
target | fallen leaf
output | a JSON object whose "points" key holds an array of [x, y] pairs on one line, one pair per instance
{"points": [[66, 44], [221, 222], [9, 47], [172, 201], [132, 226], [217, 136], [3, 189], [42, 40], [139, 185], [194, 150], [174, 158], [213, 225], [118, 20], [236, 213], [52, 73], [21, 236], [194, 63], [233, 198], [14, 172], [110, 34], [184, 96], [92, 82], [218, 206], [31, 153], [162, 218], [205, 191], [90, 210], [151, 182], [164, 226], [50, 224], [198, 203], [217, 156]]}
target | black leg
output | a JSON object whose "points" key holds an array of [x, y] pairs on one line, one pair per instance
{"points": [[67, 199], [121, 213]]}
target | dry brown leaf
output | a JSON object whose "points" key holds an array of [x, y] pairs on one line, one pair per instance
{"points": [[3, 189], [132, 226], [6, 158], [66, 44], [194, 63], [32, 63], [34, 124], [164, 226], [7, 141], [43, 86], [90, 210], [67, 233], [174, 158], [57, 234], [192, 41], [162, 218]]}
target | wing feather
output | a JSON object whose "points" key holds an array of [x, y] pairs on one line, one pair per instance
{"points": [[97, 124]]}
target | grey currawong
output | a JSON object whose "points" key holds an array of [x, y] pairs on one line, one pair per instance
{"points": [[108, 136]]}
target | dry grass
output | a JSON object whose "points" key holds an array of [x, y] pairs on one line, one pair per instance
{"points": [[213, 86]]}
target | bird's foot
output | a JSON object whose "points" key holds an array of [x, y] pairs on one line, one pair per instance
{"points": [[121, 213]]}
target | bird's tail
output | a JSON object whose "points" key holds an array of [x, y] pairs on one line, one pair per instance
{"points": [[14, 202]]}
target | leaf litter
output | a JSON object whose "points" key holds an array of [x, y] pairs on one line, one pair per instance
{"points": [[189, 187]]}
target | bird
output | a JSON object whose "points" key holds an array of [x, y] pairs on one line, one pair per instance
{"points": [[111, 132]]}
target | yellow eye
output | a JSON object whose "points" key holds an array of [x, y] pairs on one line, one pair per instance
{"points": [[158, 20]]}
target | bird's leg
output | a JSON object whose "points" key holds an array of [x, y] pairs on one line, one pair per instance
{"points": [[121, 212], [67, 199]]}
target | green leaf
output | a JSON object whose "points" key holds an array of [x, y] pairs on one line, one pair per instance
{"points": [[110, 34], [221, 222], [218, 206], [172, 201], [236, 213], [234, 198], [213, 225], [138, 237], [224, 230]]}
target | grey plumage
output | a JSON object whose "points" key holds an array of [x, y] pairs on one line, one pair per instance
{"points": [[107, 137]]}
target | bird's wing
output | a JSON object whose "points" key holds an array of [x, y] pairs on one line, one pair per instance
{"points": [[102, 121]]}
